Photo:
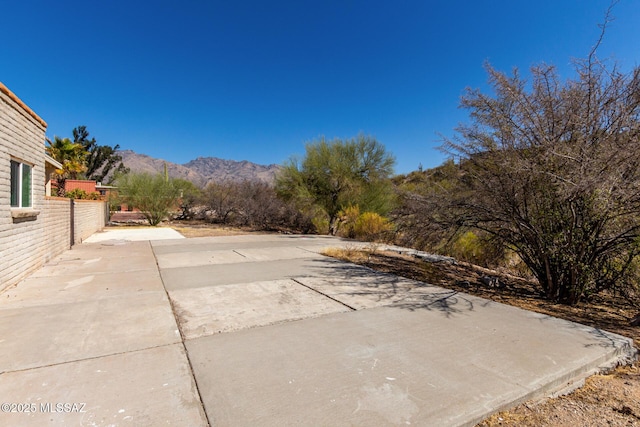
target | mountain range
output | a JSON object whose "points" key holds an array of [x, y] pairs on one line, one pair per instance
{"points": [[202, 170]]}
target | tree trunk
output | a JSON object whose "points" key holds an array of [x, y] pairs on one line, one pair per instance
{"points": [[333, 225], [62, 182]]}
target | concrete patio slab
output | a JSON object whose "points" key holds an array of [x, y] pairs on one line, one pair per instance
{"points": [[57, 333], [119, 249], [73, 288], [289, 351], [103, 257], [213, 244], [226, 308], [369, 290], [249, 242], [151, 387], [192, 259], [257, 239], [223, 274], [391, 366], [276, 253], [176, 254]]}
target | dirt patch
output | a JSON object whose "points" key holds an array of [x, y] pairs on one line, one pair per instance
{"points": [[611, 399], [204, 229]]}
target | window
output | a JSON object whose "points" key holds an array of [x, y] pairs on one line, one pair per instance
{"points": [[20, 185]]}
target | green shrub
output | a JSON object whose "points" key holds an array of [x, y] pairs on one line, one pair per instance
{"points": [[370, 226], [321, 224], [366, 226], [476, 249], [467, 247], [347, 218], [80, 194]]}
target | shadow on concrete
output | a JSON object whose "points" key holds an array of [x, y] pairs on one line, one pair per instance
{"points": [[356, 281], [448, 302]]}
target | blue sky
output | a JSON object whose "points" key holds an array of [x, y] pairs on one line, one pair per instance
{"points": [[256, 80]]}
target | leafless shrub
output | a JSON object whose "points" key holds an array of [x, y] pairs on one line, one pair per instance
{"points": [[252, 204], [551, 169]]}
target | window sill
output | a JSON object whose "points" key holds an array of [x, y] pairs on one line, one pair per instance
{"points": [[24, 214]]}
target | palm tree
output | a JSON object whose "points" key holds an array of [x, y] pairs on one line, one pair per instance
{"points": [[71, 155]]}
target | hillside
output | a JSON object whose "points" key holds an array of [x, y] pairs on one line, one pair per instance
{"points": [[202, 170]]}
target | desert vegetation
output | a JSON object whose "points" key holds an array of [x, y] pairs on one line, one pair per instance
{"points": [[154, 195], [253, 204], [335, 176], [83, 158], [546, 177], [543, 180], [541, 191]]}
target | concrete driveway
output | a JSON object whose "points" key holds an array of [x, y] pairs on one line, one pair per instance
{"points": [[263, 330]]}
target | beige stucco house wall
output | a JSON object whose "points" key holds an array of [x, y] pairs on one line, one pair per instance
{"points": [[33, 227]]}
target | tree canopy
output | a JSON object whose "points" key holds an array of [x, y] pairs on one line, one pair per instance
{"points": [[551, 169], [154, 195], [337, 174], [102, 161], [71, 155]]}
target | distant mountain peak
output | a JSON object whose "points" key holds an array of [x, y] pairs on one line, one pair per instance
{"points": [[202, 170]]}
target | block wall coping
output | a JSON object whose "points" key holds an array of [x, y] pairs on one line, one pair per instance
{"points": [[18, 101]]}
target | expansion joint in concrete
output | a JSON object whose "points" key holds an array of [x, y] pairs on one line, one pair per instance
{"points": [[182, 338], [325, 295], [101, 356]]}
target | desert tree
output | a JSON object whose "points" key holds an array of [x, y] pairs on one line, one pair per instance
{"points": [[254, 204], [334, 175], [424, 215], [221, 199], [154, 195], [550, 167], [102, 161], [189, 196], [71, 156]]}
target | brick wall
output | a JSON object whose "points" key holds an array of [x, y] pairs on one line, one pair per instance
{"points": [[26, 243], [72, 184]]}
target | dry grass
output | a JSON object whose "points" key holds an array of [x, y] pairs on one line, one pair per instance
{"points": [[194, 228]]}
